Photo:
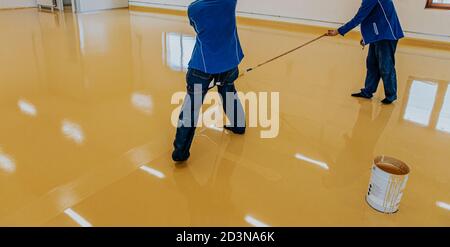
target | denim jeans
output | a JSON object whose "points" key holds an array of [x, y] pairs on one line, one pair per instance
{"points": [[381, 65], [197, 86]]}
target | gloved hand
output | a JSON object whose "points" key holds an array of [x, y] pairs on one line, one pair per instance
{"points": [[362, 43], [332, 32]]}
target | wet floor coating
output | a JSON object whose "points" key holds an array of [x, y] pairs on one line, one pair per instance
{"points": [[86, 133]]}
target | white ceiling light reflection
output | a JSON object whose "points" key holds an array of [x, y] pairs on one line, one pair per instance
{"points": [[321, 164], [153, 172], [255, 222], [77, 218], [72, 131], [142, 102], [443, 205], [443, 123], [27, 108], [422, 96], [7, 164]]}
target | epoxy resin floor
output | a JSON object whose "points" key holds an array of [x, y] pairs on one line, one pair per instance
{"points": [[86, 134]]}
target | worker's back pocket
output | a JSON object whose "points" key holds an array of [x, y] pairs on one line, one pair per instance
{"points": [[199, 74], [197, 80]]}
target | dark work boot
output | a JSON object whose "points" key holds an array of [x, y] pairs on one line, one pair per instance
{"points": [[235, 130]]}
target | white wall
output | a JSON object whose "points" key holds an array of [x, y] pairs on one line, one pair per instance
{"points": [[92, 5], [416, 20], [17, 3], [85, 5]]}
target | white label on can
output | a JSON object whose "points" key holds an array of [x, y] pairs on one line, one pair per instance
{"points": [[385, 190]]}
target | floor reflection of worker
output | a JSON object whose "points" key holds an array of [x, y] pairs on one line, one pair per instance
{"points": [[358, 154], [211, 204]]}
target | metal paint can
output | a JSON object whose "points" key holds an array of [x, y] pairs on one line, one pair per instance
{"points": [[387, 183]]}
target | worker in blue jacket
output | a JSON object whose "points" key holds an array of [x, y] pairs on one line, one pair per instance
{"points": [[380, 27], [215, 59]]}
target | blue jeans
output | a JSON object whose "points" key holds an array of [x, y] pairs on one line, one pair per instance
{"points": [[197, 87], [381, 65]]}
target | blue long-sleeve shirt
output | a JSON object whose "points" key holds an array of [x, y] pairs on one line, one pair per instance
{"points": [[378, 20], [217, 48]]}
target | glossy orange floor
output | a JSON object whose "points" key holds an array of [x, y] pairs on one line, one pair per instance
{"points": [[85, 133]]}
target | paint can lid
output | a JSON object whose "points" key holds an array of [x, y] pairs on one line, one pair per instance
{"points": [[391, 165]]}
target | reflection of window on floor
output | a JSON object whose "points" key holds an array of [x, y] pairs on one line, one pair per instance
{"points": [[438, 4], [178, 50], [444, 117], [422, 96], [93, 35]]}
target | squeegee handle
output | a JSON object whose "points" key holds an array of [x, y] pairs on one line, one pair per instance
{"points": [[282, 55]]}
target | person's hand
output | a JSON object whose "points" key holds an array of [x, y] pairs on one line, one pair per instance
{"points": [[332, 32], [362, 43]]}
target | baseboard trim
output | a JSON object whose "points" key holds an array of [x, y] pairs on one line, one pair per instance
{"points": [[18, 8]]}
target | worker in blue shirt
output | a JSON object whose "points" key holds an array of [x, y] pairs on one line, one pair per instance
{"points": [[215, 59], [380, 27]]}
